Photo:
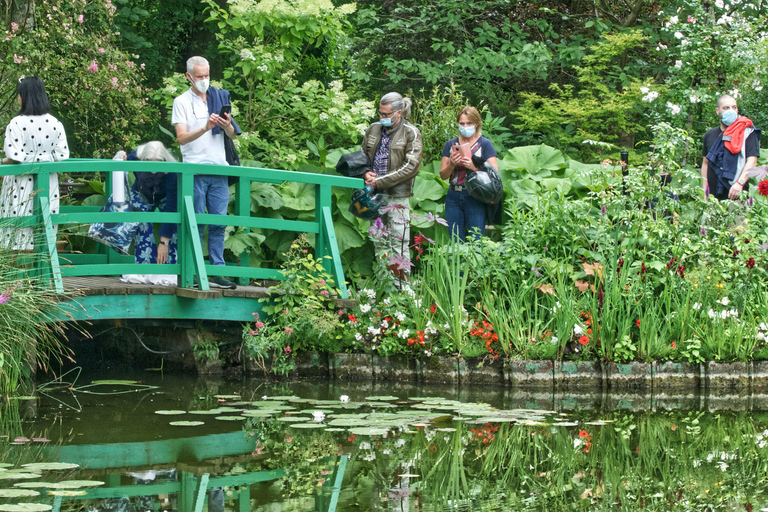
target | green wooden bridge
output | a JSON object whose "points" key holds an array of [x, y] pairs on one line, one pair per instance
{"points": [[89, 285]]}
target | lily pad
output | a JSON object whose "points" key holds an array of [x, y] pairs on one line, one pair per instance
{"points": [[229, 418], [369, 431], [292, 419], [387, 398], [187, 423], [307, 425], [25, 507], [76, 484], [33, 485], [9, 475], [171, 412], [112, 382], [18, 493], [67, 493], [228, 397], [50, 466], [259, 414], [224, 410], [204, 412]]}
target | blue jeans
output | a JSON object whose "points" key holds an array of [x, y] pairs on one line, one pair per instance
{"points": [[464, 215], [212, 192], [145, 246]]}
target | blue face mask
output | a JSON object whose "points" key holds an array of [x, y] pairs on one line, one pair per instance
{"points": [[386, 122], [728, 117], [467, 131]]}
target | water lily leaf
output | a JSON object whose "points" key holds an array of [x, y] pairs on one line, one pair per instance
{"points": [[171, 412], [383, 398], [49, 466], [229, 418], [258, 414], [67, 493], [332, 429], [18, 493], [33, 485], [292, 419], [25, 507], [114, 382], [222, 410], [4, 465], [204, 412], [187, 423], [369, 431], [347, 422], [76, 484], [308, 425], [9, 475]]}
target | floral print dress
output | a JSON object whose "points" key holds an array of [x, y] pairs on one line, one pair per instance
{"points": [[29, 139]]}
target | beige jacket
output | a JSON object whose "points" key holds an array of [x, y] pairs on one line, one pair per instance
{"points": [[405, 151]]}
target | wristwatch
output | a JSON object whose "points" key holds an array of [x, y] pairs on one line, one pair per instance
{"points": [[166, 243]]}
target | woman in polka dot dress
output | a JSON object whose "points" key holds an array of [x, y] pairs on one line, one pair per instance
{"points": [[32, 136]]}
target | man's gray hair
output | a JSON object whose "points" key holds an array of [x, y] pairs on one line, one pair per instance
{"points": [[196, 61], [154, 150], [398, 103]]}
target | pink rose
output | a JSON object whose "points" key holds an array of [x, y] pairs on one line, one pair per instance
{"points": [[93, 68], [80, 19], [101, 50]]}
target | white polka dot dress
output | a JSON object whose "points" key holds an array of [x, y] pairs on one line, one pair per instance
{"points": [[29, 139]]}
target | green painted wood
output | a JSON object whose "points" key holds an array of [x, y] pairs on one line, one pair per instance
{"points": [[334, 262], [129, 491], [186, 494], [243, 499], [337, 481], [200, 494], [148, 453], [101, 307], [56, 504], [105, 261]]}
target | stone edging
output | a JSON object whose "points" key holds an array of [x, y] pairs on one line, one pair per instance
{"points": [[560, 375]]}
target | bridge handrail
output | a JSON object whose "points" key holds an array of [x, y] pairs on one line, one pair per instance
{"points": [[190, 256]]}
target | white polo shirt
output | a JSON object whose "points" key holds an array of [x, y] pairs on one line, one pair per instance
{"points": [[190, 109]]}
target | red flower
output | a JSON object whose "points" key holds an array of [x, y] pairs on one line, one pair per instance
{"points": [[583, 434], [762, 188], [637, 322], [352, 318], [433, 308], [674, 346], [751, 263], [583, 340]]}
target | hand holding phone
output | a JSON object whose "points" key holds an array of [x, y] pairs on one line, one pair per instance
{"points": [[225, 109]]}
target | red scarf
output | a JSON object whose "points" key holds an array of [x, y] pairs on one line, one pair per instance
{"points": [[736, 132]]}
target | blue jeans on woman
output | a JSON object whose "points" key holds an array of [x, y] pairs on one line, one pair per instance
{"points": [[465, 214]]}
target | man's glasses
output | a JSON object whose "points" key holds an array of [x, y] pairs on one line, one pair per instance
{"points": [[386, 114]]}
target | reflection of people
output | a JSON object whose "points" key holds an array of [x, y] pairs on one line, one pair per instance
{"points": [[395, 148], [200, 131], [729, 150], [464, 213], [32, 136], [150, 191]]}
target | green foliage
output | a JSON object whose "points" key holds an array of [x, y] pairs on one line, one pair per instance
{"points": [[207, 349], [94, 87]]}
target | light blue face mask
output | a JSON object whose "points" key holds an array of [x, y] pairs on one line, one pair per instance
{"points": [[386, 122], [728, 117], [467, 131]]}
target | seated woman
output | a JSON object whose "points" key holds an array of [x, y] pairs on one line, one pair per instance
{"points": [[150, 191], [34, 120]]}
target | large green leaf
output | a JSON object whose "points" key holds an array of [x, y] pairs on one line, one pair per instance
{"points": [[347, 235], [526, 191], [298, 196], [426, 187], [241, 241], [94, 200], [265, 195], [534, 160], [560, 186]]}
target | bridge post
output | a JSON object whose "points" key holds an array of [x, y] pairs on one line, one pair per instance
{"points": [[243, 209]]}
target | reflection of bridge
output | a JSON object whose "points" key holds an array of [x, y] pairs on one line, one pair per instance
{"points": [[97, 297], [194, 458]]}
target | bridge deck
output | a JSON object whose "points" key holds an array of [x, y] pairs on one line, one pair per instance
{"points": [[111, 285]]}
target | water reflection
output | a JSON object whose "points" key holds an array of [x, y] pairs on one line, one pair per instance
{"points": [[246, 446]]}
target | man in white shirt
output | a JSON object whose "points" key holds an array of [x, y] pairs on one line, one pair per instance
{"points": [[201, 133]]}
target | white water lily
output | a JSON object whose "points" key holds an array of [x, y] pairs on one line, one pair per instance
{"points": [[318, 416], [344, 399]]}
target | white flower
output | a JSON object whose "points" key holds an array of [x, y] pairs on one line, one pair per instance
{"points": [[387, 301], [400, 316], [674, 108], [673, 20], [644, 90], [759, 88], [719, 4], [263, 68], [324, 116], [696, 306], [384, 323], [403, 333], [735, 93], [318, 416], [364, 308], [648, 98], [695, 99], [679, 35], [678, 64], [722, 466], [344, 399], [370, 456], [264, 397], [724, 301], [684, 42], [711, 313], [358, 336], [246, 54], [577, 329], [374, 332]]}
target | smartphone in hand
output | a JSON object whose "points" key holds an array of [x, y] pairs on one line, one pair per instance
{"points": [[225, 109]]}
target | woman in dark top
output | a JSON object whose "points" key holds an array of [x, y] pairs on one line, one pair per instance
{"points": [[464, 213]]}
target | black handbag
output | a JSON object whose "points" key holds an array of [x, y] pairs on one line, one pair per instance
{"points": [[353, 165], [232, 158]]}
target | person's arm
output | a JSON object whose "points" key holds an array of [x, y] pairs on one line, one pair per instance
{"points": [[7, 161], [738, 186], [704, 174], [409, 168], [446, 168], [185, 137]]}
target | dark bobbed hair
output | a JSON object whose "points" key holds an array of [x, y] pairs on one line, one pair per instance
{"points": [[34, 100]]}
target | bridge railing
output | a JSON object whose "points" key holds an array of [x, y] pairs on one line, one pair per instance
{"points": [[190, 252]]}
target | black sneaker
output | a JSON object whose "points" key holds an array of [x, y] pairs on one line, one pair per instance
{"points": [[220, 282]]}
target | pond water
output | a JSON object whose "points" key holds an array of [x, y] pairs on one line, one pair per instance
{"points": [[176, 443]]}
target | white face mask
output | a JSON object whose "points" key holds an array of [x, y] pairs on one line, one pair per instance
{"points": [[201, 85]]}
